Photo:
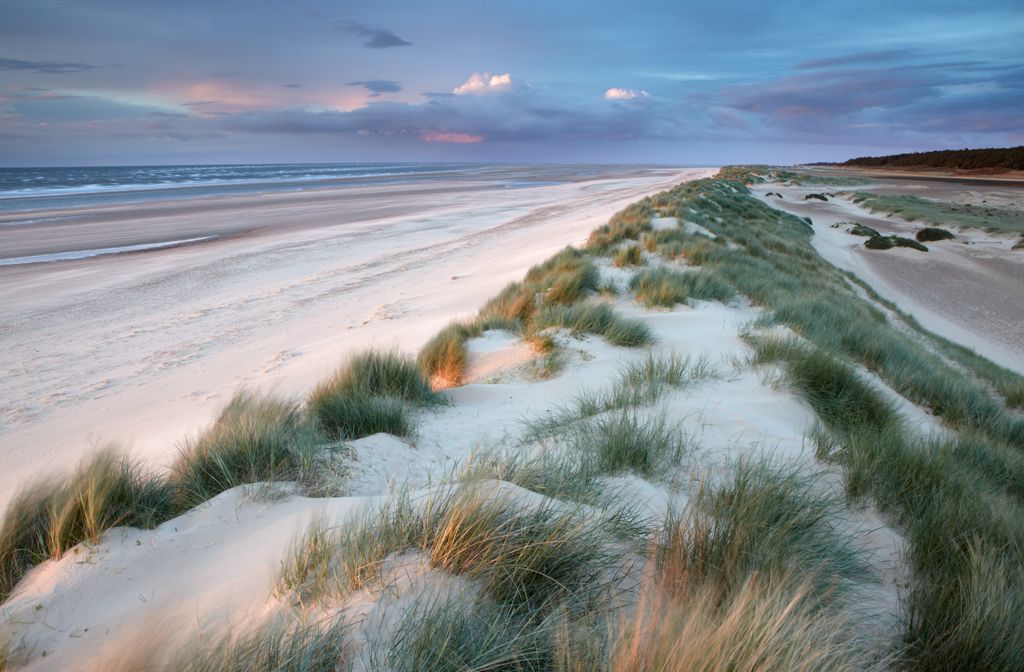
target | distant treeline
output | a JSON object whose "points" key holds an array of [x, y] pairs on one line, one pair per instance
{"points": [[1003, 158]]}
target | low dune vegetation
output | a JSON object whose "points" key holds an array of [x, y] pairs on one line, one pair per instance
{"points": [[759, 174], [752, 568], [631, 255], [551, 295], [370, 394], [862, 230], [629, 224], [957, 504], [667, 287], [530, 559], [255, 439], [876, 241], [595, 319], [889, 242], [931, 234], [526, 555], [49, 517], [943, 213]]}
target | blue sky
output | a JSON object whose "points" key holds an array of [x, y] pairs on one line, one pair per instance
{"points": [[126, 82]]}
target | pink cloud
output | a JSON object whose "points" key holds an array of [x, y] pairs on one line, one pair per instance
{"points": [[456, 138]]}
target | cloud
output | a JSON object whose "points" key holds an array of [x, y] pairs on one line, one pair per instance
{"points": [[44, 67], [373, 38], [521, 114], [74, 109], [455, 138], [479, 84], [854, 59], [616, 93], [378, 86], [881, 105], [291, 86]]}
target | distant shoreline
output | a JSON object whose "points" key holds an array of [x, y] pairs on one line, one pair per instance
{"points": [[27, 190]]}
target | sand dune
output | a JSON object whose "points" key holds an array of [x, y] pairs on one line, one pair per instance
{"points": [[144, 348], [217, 564]]}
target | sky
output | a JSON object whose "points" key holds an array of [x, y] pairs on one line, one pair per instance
{"points": [[129, 82]]}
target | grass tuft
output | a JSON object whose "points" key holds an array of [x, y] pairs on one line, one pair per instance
{"points": [[452, 635], [595, 319], [667, 287], [255, 439], [277, 647], [840, 398], [528, 558], [623, 441], [443, 359], [629, 223], [760, 626], [640, 383], [562, 280], [46, 519], [369, 395], [631, 255], [382, 374], [342, 417]]}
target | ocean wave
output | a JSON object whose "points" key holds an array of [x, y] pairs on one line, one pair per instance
{"points": [[66, 182]]}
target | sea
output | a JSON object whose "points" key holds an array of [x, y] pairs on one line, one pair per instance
{"points": [[24, 189]]}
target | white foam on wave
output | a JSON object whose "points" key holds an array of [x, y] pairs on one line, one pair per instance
{"points": [[86, 254], [214, 181]]}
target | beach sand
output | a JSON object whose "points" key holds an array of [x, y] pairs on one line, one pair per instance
{"points": [[143, 349]]}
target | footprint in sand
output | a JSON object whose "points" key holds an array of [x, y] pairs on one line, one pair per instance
{"points": [[280, 359]]}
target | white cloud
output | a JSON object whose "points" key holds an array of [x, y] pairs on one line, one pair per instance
{"points": [[616, 93], [479, 84]]}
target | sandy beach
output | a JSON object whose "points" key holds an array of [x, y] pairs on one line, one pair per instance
{"points": [[143, 349]]}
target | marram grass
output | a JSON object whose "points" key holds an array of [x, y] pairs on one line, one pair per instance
{"points": [[48, 517]]}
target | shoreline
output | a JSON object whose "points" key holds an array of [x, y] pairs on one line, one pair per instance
{"points": [[510, 176], [144, 222]]}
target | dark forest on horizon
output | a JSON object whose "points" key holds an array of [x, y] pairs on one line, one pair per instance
{"points": [[1000, 158]]}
